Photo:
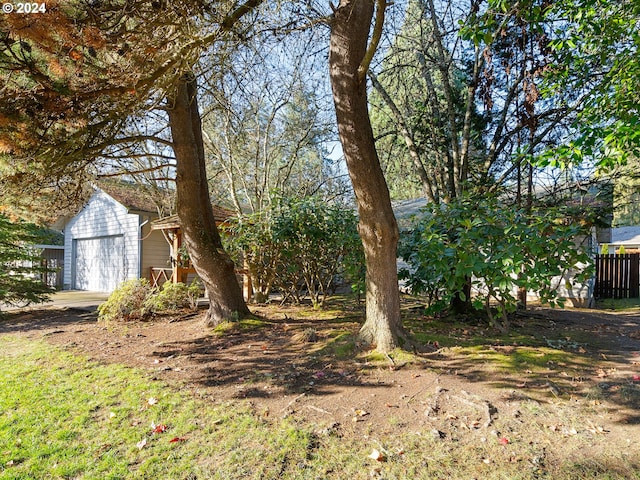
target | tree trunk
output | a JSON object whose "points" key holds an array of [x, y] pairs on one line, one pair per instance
{"points": [[201, 237], [461, 301], [377, 226]]}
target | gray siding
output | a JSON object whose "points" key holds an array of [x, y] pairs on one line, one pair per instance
{"points": [[155, 251]]}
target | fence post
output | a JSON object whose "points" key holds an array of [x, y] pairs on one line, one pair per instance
{"points": [[634, 275]]}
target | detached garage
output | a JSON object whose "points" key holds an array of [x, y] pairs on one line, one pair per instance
{"points": [[110, 240]]}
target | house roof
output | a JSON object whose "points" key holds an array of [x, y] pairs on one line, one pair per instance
{"points": [[220, 214], [404, 209], [625, 235], [132, 196]]}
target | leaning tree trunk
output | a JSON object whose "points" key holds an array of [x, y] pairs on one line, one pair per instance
{"points": [[377, 226], [201, 237]]}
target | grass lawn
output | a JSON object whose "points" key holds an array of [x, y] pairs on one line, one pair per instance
{"points": [[62, 416]]}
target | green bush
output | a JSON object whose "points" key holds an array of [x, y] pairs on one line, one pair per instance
{"points": [[137, 300], [300, 248], [127, 302], [497, 248], [174, 296]]}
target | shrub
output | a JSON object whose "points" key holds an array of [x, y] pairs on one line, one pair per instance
{"points": [[299, 247], [127, 302], [174, 296], [136, 300], [496, 248]]}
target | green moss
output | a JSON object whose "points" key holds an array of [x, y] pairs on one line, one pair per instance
{"points": [[246, 324]]}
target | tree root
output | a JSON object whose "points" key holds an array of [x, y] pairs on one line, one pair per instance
{"points": [[480, 406]]}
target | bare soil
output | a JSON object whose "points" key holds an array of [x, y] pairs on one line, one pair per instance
{"points": [[284, 368]]}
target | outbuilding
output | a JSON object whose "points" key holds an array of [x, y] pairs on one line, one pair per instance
{"points": [[110, 240]]}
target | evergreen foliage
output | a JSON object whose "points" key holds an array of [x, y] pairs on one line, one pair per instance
{"points": [[127, 302], [20, 268], [175, 296]]}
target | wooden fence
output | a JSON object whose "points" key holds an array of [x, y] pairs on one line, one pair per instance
{"points": [[617, 276]]}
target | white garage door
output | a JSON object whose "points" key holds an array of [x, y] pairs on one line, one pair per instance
{"points": [[99, 263]]}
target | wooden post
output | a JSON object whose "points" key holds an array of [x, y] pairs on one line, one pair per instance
{"points": [[634, 275], [247, 287], [175, 264]]}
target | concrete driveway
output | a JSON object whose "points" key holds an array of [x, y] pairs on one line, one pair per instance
{"points": [[79, 299]]}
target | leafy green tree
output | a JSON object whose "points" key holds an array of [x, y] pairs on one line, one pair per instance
{"points": [[300, 247], [626, 193], [20, 267], [597, 48], [500, 248]]}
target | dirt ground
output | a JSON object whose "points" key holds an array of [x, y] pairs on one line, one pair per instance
{"points": [[281, 370]]}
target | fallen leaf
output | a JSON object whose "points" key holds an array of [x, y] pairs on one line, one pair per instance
{"points": [[158, 428], [75, 55], [377, 455], [141, 444]]}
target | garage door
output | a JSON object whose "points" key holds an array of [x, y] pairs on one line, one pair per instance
{"points": [[99, 263]]}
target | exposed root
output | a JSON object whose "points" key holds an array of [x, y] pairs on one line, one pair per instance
{"points": [[456, 406]]}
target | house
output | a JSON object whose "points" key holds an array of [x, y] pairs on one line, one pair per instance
{"points": [[110, 240], [627, 237]]}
